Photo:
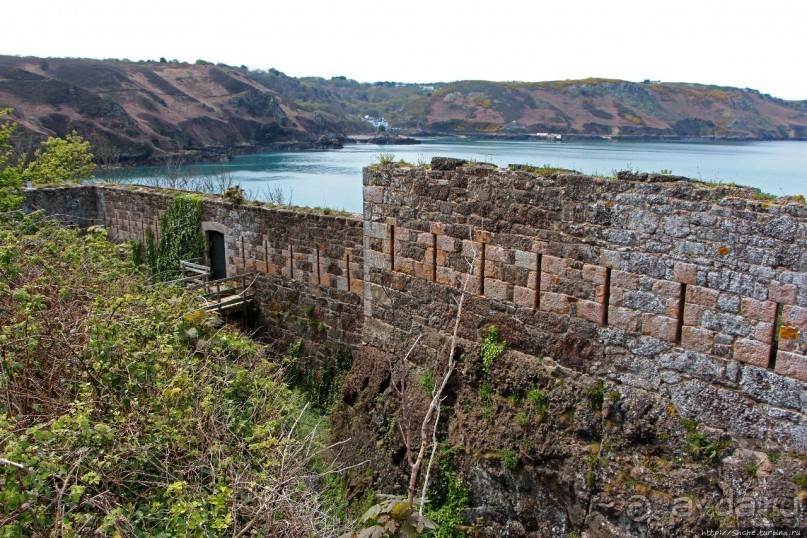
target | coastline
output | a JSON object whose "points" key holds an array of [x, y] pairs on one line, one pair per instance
{"points": [[226, 153]]}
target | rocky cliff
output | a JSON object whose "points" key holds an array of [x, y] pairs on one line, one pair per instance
{"points": [[149, 110], [138, 111]]}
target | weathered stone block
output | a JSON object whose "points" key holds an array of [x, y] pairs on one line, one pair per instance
{"points": [[376, 230], [405, 265], [610, 258], [763, 332], [555, 302], [752, 352], [532, 280], [447, 243], [554, 265], [667, 288], [671, 307], [526, 260], [447, 276], [624, 318], [791, 365], [590, 311], [482, 236], [498, 254], [795, 316], [340, 283], [771, 388], [471, 249], [782, 293], [660, 327], [594, 273], [549, 282], [376, 260], [524, 296], [497, 289], [425, 239], [423, 270], [718, 407], [622, 279], [616, 297], [758, 310], [702, 296], [357, 285]]}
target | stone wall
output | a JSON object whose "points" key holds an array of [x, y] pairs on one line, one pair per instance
{"points": [[309, 265], [688, 301], [664, 285]]}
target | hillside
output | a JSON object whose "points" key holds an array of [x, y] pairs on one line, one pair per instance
{"points": [[140, 111], [127, 411], [607, 107]]}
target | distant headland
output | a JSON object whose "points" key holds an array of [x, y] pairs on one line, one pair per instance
{"points": [[138, 112]]}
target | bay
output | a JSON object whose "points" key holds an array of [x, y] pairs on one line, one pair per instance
{"points": [[332, 178]]}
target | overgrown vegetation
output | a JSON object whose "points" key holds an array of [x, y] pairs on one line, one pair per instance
{"points": [[122, 414], [59, 160], [545, 170], [698, 445], [320, 385], [181, 237], [491, 348], [448, 498], [596, 395]]}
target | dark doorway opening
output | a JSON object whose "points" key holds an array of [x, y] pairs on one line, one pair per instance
{"points": [[218, 262]]}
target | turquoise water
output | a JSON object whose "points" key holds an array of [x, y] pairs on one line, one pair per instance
{"points": [[332, 178]]}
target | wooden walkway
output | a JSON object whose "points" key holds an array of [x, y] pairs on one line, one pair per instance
{"points": [[222, 295]]}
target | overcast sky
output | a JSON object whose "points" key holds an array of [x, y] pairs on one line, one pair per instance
{"points": [[744, 43]]}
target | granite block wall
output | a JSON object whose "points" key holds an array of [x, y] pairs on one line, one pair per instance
{"points": [[309, 266], [695, 292]]}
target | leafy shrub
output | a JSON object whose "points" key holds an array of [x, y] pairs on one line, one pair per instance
{"points": [[385, 159], [491, 348], [510, 460], [427, 382], [392, 517], [596, 395], [538, 401], [59, 160], [127, 411], [448, 498]]}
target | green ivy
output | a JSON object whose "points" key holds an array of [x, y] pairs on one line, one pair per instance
{"points": [[448, 498], [181, 237]]}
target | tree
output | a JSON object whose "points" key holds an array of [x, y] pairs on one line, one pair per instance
{"points": [[67, 159], [58, 160], [10, 181]]}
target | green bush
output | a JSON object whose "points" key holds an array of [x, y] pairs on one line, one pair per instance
{"points": [[538, 400], [491, 348], [596, 395], [510, 460], [130, 412]]}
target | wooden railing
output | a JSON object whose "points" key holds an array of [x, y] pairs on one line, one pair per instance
{"points": [[226, 294]]}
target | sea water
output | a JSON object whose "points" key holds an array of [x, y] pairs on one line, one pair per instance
{"points": [[332, 178]]}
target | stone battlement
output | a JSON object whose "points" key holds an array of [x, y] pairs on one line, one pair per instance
{"points": [[685, 290]]}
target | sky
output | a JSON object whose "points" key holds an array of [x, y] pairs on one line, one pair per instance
{"points": [[742, 43]]}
